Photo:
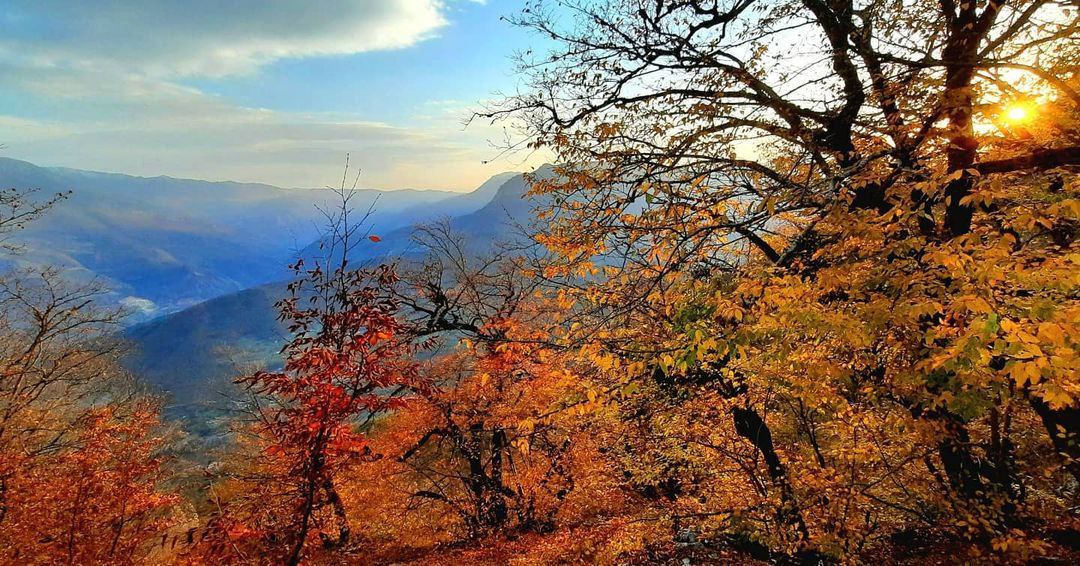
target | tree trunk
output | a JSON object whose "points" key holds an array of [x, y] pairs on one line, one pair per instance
{"points": [[311, 484], [1063, 426], [497, 506], [961, 467], [750, 425], [967, 29], [340, 517]]}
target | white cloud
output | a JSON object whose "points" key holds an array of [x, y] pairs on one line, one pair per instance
{"points": [[165, 129], [31, 130], [162, 38], [107, 74], [138, 305]]}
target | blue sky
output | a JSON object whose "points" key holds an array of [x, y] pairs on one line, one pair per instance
{"points": [[251, 91]]}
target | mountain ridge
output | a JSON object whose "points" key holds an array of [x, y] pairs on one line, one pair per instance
{"points": [[191, 339], [165, 243]]}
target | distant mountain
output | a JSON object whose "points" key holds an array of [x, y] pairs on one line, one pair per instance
{"points": [[192, 353], [462, 203], [162, 244], [508, 211], [496, 219]]}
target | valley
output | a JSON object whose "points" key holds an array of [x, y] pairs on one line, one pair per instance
{"points": [[199, 265]]}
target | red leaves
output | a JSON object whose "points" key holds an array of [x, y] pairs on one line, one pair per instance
{"points": [[348, 359], [375, 239]]}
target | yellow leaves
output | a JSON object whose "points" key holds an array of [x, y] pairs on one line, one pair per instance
{"points": [[1056, 396], [564, 300], [1009, 326], [925, 308], [1041, 354], [1018, 544], [522, 445], [552, 271], [1051, 333], [727, 309], [830, 279], [972, 303], [1025, 373], [1068, 207], [1027, 344], [949, 259], [769, 205], [667, 363], [586, 269], [605, 362], [977, 198], [635, 368], [526, 425], [955, 175]]}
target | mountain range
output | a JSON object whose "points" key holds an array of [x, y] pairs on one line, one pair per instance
{"points": [[202, 263], [161, 244]]}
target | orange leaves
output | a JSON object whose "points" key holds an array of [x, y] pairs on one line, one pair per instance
{"points": [[348, 359], [606, 130], [67, 507]]}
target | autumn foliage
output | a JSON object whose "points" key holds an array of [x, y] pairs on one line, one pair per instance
{"points": [[96, 502], [82, 466], [802, 287], [346, 363]]}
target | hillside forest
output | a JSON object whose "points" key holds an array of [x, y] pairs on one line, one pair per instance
{"points": [[802, 286]]}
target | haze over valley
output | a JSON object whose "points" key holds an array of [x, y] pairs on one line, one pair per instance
{"points": [[161, 244], [197, 266]]}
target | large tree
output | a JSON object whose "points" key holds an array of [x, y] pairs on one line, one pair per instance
{"points": [[847, 226]]}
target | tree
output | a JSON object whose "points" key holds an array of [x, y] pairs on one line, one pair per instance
{"points": [[500, 446], [18, 207], [482, 448], [825, 219], [81, 465], [97, 501], [346, 363]]}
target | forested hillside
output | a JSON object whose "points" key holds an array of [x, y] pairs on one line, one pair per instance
{"points": [[192, 355], [801, 288]]}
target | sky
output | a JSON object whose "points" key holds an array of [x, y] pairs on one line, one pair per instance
{"points": [[274, 92]]}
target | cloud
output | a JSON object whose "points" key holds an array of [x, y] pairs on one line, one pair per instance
{"points": [[138, 305], [164, 129], [162, 38], [103, 85], [31, 130]]}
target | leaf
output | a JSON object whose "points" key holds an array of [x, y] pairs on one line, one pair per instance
{"points": [[375, 239]]}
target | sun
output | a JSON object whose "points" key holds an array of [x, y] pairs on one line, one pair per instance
{"points": [[1017, 113]]}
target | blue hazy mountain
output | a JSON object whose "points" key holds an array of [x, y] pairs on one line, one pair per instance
{"points": [[461, 203], [499, 217], [194, 353], [162, 244]]}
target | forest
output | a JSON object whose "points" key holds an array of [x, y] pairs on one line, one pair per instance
{"points": [[801, 287]]}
